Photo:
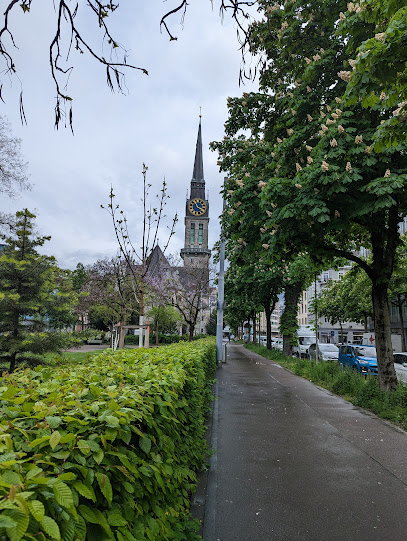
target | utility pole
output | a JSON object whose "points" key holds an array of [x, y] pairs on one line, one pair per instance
{"points": [[221, 296]]}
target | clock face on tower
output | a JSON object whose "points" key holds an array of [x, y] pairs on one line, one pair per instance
{"points": [[197, 207]]}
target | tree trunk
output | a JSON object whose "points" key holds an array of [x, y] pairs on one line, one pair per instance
{"points": [[254, 328], [141, 317], [191, 333], [400, 303], [387, 374], [156, 334], [288, 321]]}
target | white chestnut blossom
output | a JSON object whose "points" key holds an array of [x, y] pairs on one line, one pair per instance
{"points": [[309, 148], [290, 131], [309, 89], [387, 173], [348, 167], [298, 168], [310, 119], [344, 75], [324, 166], [333, 143], [298, 186], [359, 139], [341, 129]]}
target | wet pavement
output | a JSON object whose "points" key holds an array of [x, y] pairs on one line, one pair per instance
{"points": [[293, 462]]}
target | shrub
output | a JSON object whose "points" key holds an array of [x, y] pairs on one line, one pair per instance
{"points": [[106, 449]]}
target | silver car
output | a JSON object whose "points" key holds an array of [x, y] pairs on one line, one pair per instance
{"points": [[326, 352]]}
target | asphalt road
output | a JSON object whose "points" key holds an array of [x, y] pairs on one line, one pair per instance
{"points": [[293, 462]]}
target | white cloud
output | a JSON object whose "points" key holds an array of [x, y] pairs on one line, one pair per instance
{"points": [[156, 123]]}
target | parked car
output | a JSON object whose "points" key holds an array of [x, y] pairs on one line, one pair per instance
{"points": [[306, 337], [400, 364], [277, 343], [326, 352], [359, 357], [262, 340]]}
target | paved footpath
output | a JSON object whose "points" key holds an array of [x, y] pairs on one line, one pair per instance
{"points": [[296, 463]]}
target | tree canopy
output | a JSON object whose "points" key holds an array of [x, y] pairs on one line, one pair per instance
{"points": [[308, 151], [35, 296]]}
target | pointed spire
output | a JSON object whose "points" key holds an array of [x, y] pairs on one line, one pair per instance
{"points": [[198, 174]]}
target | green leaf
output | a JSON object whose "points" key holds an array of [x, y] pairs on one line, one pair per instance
{"points": [[68, 530], [67, 476], [36, 442], [105, 486], [115, 518], [112, 421], [145, 444], [63, 494], [33, 472], [8, 522], [98, 456], [54, 439], [84, 447], [84, 491], [53, 422], [15, 533], [37, 509], [88, 514], [51, 527]]}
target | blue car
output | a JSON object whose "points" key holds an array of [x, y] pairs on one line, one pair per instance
{"points": [[358, 357]]}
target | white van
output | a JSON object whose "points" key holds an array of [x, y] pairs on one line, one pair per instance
{"points": [[306, 337]]}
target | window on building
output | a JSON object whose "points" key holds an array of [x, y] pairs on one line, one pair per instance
{"points": [[200, 234], [192, 236]]}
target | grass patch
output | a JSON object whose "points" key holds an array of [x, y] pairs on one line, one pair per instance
{"points": [[70, 357], [361, 391]]}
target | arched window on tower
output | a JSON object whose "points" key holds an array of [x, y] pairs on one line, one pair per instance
{"points": [[192, 234], [200, 234]]}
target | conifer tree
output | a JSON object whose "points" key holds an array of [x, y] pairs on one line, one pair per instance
{"points": [[28, 294]]}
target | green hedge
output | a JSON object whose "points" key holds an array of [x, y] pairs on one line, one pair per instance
{"points": [[106, 449]]}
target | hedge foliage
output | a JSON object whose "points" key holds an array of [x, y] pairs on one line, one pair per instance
{"points": [[106, 449]]}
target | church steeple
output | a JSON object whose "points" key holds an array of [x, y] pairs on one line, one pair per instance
{"points": [[198, 175], [198, 181], [196, 251]]}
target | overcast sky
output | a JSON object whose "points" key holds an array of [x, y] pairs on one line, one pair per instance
{"points": [[156, 122]]}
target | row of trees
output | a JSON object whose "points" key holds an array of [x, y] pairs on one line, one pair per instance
{"points": [[37, 296], [317, 158]]}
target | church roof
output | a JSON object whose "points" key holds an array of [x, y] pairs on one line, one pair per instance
{"points": [[198, 174]]}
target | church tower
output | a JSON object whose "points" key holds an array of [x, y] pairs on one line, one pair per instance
{"points": [[195, 252]]}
